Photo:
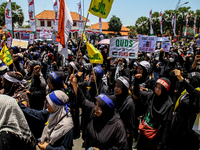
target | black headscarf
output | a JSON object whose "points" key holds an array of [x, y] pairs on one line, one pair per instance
{"points": [[194, 78], [160, 104], [57, 85], [120, 98]]}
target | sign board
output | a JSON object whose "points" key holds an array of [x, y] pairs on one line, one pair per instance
{"points": [[31, 38], [25, 36], [9, 42], [166, 46], [147, 43], [21, 43], [45, 33], [198, 42], [125, 48]]}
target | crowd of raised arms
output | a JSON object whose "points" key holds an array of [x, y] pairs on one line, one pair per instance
{"points": [[48, 101]]}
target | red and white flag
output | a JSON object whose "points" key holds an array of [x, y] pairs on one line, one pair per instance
{"points": [[100, 25], [160, 17], [65, 23], [151, 29], [186, 25]]}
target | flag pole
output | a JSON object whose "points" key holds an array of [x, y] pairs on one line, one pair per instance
{"points": [[80, 42], [95, 79]]}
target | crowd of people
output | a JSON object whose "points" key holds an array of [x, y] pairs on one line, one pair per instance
{"points": [[48, 101]]}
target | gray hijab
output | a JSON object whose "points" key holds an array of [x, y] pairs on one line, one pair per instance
{"points": [[54, 130], [13, 120]]}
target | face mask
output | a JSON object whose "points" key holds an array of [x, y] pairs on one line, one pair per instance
{"points": [[171, 59], [157, 58]]}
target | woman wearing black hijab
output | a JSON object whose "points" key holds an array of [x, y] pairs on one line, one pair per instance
{"points": [[125, 106], [55, 81], [186, 108], [105, 129], [157, 116]]}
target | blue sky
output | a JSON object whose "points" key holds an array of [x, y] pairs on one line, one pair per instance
{"points": [[127, 10]]}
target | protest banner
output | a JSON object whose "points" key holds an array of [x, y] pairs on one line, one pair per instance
{"points": [[9, 42], [125, 48], [31, 38], [147, 43], [21, 43], [198, 42], [25, 36], [45, 33], [166, 46]]}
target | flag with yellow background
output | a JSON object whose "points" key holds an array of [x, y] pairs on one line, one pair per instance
{"points": [[94, 55], [100, 8], [5, 56]]}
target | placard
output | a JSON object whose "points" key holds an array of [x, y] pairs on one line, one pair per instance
{"points": [[21, 43], [24, 36], [124, 48], [147, 43], [166, 46]]}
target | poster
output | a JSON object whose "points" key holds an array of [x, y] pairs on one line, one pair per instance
{"points": [[9, 42], [24, 36], [166, 46], [198, 42], [45, 33], [147, 43], [21, 43], [124, 48], [31, 38]]}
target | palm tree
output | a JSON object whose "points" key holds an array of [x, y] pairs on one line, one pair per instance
{"points": [[17, 14], [181, 19], [156, 23], [142, 24], [198, 20], [167, 21]]}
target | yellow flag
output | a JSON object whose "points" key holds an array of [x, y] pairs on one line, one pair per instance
{"points": [[94, 55], [5, 56], [196, 35], [100, 8], [4, 38]]}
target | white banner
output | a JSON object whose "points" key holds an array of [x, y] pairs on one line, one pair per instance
{"points": [[147, 43], [55, 7], [9, 42], [31, 11], [166, 46], [8, 18], [125, 48], [31, 38], [46, 33], [194, 29], [174, 25]]}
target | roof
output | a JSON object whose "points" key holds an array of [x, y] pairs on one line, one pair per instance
{"points": [[50, 14], [105, 26]]}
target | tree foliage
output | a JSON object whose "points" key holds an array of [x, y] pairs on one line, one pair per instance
{"points": [[143, 24], [133, 32], [17, 14], [115, 24]]}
